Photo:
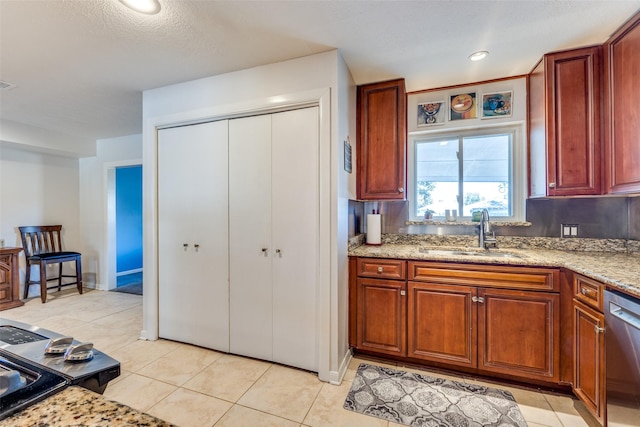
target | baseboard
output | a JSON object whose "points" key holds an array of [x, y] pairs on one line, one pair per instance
{"points": [[336, 377], [124, 273]]}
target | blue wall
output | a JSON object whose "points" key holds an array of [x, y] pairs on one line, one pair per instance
{"points": [[128, 218]]}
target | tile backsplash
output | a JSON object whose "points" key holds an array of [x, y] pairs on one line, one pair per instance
{"points": [[596, 217]]}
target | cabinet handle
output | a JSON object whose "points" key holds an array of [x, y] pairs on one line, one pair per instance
{"points": [[585, 291], [552, 185], [403, 292], [477, 299], [598, 329], [265, 252], [401, 190], [380, 269]]}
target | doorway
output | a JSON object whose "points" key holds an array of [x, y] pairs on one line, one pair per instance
{"points": [[123, 240], [129, 229]]}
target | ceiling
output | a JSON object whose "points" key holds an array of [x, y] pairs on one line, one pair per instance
{"points": [[79, 66]]}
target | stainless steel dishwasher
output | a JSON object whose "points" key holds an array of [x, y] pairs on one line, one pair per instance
{"points": [[622, 341]]}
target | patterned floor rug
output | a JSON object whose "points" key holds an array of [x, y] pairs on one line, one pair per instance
{"points": [[419, 400]]}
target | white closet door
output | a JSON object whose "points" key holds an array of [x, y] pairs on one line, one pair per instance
{"points": [[295, 198], [193, 210], [250, 236]]}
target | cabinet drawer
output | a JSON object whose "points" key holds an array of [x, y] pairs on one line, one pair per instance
{"points": [[488, 276], [589, 292], [382, 268]]}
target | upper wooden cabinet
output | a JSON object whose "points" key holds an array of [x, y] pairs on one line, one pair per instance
{"points": [[564, 124], [381, 149], [622, 114]]}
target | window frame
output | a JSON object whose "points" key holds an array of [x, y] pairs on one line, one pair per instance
{"points": [[518, 166]]}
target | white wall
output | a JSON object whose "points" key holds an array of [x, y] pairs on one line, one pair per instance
{"points": [[94, 193], [322, 77], [34, 138], [38, 188]]}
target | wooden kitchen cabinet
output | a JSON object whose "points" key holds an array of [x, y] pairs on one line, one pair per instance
{"points": [[381, 318], [442, 323], [492, 319], [464, 315], [565, 137], [519, 333], [9, 278], [377, 305], [381, 141], [588, 345], [622, 115]]}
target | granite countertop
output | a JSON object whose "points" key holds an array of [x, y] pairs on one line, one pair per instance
{"points": [[76, 406], [618, 269]]}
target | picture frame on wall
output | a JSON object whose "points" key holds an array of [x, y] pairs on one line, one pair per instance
{"points": [[463, 106], [431, 113], [497, 104]]}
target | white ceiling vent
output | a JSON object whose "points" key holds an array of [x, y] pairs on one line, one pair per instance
{"points": [[6, 86]]}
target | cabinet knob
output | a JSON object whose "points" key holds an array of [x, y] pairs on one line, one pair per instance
{"points": [[185, 246], [477, 299], [401, 190], [380, 269], [598, 329], [552, 185], [265, 251], [278, 253], [403, 292], [585, 291]]}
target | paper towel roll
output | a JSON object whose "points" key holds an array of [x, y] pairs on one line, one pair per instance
{"points": [[374, 229]]}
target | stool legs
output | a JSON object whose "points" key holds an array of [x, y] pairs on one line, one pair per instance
{"points": [[43, 282], [79, 274]]}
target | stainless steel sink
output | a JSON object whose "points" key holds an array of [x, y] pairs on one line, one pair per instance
{"points": [[470, 253]]}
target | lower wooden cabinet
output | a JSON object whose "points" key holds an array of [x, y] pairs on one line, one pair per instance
{"points": [[519, 333], [442, 323], [442, 315], [381, 316], [589, 346], [494, 330], [9, 279]]}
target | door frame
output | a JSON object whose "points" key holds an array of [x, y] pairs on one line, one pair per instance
{"points": [[109, 272]]}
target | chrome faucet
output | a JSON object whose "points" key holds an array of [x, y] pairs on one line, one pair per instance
{"points": [[486, 237]]}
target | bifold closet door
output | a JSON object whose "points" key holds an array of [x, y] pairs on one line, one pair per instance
{"points": [[193, 264], [250, 252], [295, 225]]}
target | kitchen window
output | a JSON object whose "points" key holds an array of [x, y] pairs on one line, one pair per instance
{"points": [[467, 171]]}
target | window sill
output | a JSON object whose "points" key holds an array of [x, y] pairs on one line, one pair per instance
{"points": [[467, 222]]}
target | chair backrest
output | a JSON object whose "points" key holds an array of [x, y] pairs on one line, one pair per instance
{"points": [[41, 239]]}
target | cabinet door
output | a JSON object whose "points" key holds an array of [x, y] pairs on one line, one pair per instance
{"points": [[588, 367], [193, 277], [518, 333], [381, 152], [622, 116], [441, 323], [295, 222], [573, 122], [250, 251], [382, 318]]}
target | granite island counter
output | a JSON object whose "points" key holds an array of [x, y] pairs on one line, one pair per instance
{"points": [[76, 406]]}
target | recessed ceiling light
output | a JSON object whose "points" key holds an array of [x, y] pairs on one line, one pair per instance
{"points": [[148, 7], [477, 56]]}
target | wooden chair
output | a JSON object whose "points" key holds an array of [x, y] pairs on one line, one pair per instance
{"points": [[42, 246]]}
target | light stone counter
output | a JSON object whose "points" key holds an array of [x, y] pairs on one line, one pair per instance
{"points": [[76, 406], [618, 269]]}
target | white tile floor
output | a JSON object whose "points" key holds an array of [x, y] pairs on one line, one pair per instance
{"points": [[192, 386]]}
